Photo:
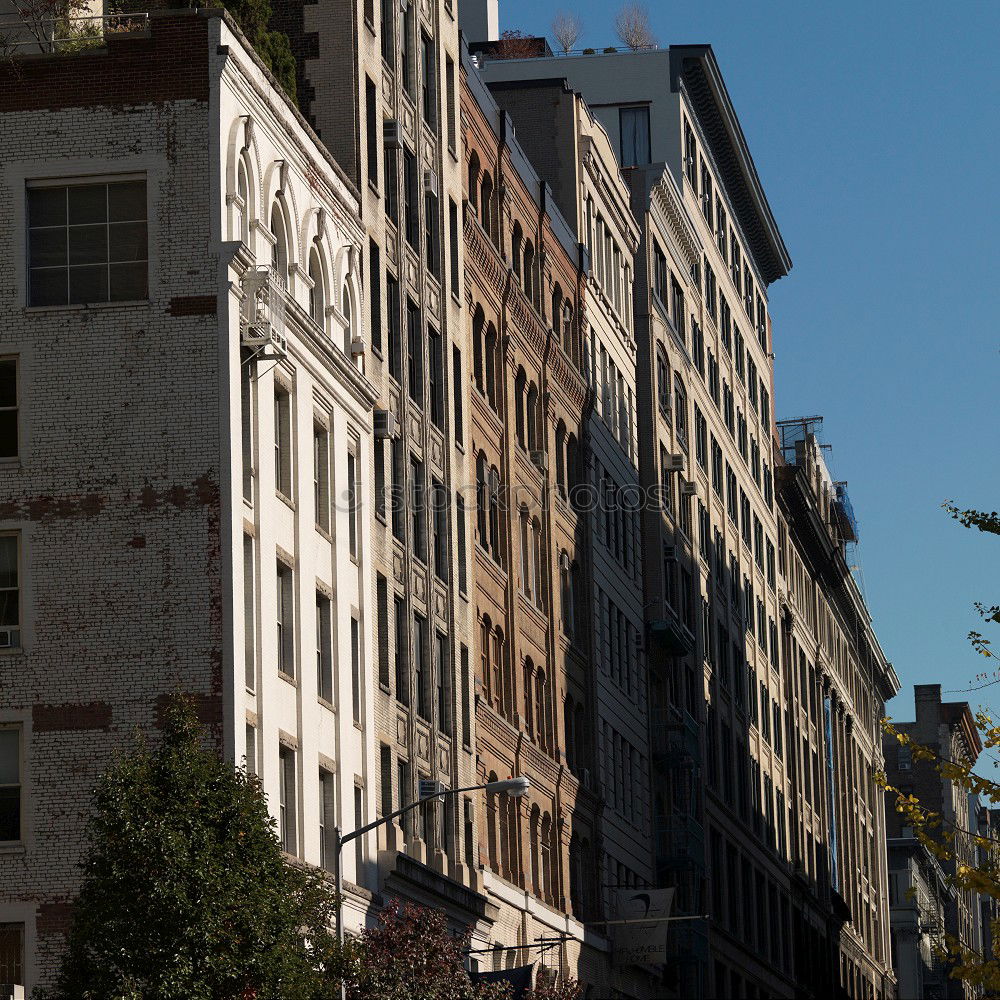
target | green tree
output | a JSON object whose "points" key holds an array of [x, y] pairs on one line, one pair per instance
{"points": [[186, 895], [974, 858]]}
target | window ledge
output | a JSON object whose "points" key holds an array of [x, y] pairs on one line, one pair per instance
{"points": [[16, 847], [10, 463], [320, 530], [84, 307], [326, 704], [287, 501], [287, 678]]}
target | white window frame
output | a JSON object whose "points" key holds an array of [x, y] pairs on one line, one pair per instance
{"points": [[19, 785], [15, 632]]}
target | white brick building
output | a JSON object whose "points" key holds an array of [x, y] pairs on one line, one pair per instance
{"points": [[175, 508]]}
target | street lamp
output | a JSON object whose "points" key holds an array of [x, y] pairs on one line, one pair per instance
{"points": [[516, 788]]}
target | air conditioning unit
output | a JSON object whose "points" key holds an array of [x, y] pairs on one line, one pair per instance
{"points": [[430, 182], [689, 489], [670, 553], [358, 347], [675, 463], [385, 425], [10, 638], [541, 460], [262, 334], [392, 134], [11, 992]]}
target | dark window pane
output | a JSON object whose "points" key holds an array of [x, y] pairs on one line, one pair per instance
{"points": [[47, 206], [48, 286], [88, 284], [48, 247], [88, 203], [128, 282], [10, 814], [8, 383], [9, 617], [127, 201], [88, 244], [8, 434], [127, 241]]}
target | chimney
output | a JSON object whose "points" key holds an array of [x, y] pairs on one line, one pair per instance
{"points": [[927, 702], [479, 20]]}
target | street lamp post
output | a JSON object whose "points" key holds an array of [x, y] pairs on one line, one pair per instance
{"points": [[514, 787]]}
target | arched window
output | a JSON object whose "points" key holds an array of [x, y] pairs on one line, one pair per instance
{"points": [[566, 593], [485, 638], [528, 277], [519, 383], [512, 849], [486, 205], [662, 381], [582, 744], [570, 735], [482, 500], [572, 467], [556, 317], [546, 838], [347, 308], [529, 715], [317, 293], [491, 824], [495, 513], [491, 366], [474, 182], [561, 458], [531, 408], [586, 885], [505, 852], [525, 553], [534, 824], [576, 597], [279, 252], [516, 238], [567, 331], [541, 714], [496, 666], [478, 322], [536, 559], [241, 206]]}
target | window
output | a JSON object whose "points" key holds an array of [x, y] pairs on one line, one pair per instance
{"points": [[414, 353], [428, 80], [249, 614], [286, 798], [660, 276], [457, 388], [439, 516], [251, 749], [663, 382], [392, 324], [466, 706], [283, 441], [327, 818], [324, 649], [411, 220], [8, 409], [706, 192], [353, 502], [449, 82], [11, 768], [321, 476], [286, 621], [397, 497], [371, 131], [443, 669], [421, 680], [375, 294], [402, 652], [378, 446], [634, 126], [690, 155], [12, 954], [356, 670], [406, 49], [387, 31], [453, 239], [10, 592], [435, 380], [431, 234], [389, 168], [463, 583], [417, 511], [87, 243], [385, 779]]}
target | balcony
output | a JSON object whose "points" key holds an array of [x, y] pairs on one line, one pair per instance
{"points": [[676, 744]]}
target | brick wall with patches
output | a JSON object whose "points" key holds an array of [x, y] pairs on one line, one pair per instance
{"points": [[114, 493]]}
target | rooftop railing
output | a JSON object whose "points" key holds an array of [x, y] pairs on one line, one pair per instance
{"points": [[53, 36]]}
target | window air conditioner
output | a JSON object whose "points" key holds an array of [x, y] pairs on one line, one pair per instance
{"points": [[430, 182], [10, 638], [392, 134], [670, 553], [689, 489], [358, 347], [385, 424], [540, 459], [675, 463]]}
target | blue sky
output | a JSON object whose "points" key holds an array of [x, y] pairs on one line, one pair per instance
{"points": [[875, 131]]}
